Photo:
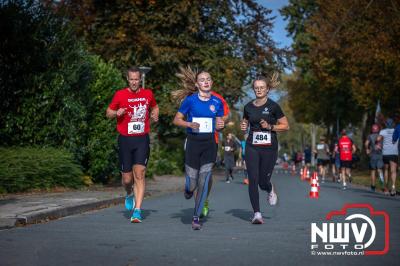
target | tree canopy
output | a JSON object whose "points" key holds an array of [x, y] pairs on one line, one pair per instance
{"points": [[347, 58]]}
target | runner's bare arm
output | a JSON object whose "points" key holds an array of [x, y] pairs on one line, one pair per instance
{"points": [[112, 113], [366, 145], [154, 113], [225, 118], [220, 123], [179, 121], [354, 148], [282, 125]]}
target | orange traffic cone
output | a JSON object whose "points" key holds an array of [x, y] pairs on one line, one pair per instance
{"points": [[308, 174], [315, 176], [301, 174], [314, 194]]}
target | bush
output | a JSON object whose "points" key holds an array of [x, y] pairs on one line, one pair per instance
{"points": [[22, 169], [165, 161], [102, 137]]}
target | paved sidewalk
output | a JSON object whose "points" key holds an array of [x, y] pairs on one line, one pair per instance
{"points": [[21, 209]]}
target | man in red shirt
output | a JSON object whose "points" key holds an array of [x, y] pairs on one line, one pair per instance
{"points": [[346, 150], [133, 107]]}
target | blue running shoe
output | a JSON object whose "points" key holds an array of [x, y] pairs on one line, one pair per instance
{"points": [[136, 216], [129, 202]]}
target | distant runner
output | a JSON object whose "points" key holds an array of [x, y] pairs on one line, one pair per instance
{"points": [[390, 156]]}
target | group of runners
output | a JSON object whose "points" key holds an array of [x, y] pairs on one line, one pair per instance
{"points": [[340, 157], [382, 147], [202, 113]]}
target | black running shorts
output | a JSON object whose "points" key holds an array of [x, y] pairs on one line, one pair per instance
{"points": [[133, 150], [345, 164], [390, 158]]}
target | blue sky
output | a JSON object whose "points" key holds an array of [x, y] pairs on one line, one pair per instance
{"points": [[279, 32]]}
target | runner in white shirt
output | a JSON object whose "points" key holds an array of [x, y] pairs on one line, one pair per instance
{"points": [[390, 156]]}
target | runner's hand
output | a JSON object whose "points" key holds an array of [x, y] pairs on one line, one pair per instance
{"points": [[121, 112], [220, 123], [264, 124], [154, 116], [244, 124], [194, 125]]}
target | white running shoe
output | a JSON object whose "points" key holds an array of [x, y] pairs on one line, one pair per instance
{"points": [[257, 219], [272, 197], [381, 178]]}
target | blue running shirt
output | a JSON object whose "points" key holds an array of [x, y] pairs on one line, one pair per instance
{"points": [[202, 112]]}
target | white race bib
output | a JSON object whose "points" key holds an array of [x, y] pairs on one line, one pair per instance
{"points": [[227, 148], [135, 127], [262, 138], [320, 146], [206, 124]]}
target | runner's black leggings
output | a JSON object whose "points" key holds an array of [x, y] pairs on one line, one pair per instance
{"points": [[260, 162]]}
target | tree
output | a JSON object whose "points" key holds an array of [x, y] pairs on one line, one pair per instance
{"points": [[347, 56], [231, 39], [43, 70]]}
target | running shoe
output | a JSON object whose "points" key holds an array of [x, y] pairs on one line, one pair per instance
{"points": [[257, 219], [204, 212], [386, 192], [136, 216], [196, 223], [272, 197], [344, 186], [129, 202], [373, 188], [393, 191], [188, 194], [228, 181]]}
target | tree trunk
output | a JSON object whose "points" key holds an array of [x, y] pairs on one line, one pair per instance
{"points": [[313, 131]]}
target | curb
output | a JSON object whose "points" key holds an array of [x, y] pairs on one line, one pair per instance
{"points": [[44, 216]]}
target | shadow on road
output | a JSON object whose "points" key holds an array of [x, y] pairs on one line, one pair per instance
{"points": [[186, 216], [242, 214]]}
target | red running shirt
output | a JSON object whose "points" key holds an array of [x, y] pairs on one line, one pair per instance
{"points": [[345, 148], [136, 120], [226, 111]]}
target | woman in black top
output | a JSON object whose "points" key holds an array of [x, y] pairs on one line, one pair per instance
{"points": [[265, 118]]}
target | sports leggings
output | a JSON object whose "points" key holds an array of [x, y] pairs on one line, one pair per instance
{"points": [[200, 156], [260, 162]]}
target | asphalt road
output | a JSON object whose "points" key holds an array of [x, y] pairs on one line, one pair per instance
{"points": [[165, 237]]}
